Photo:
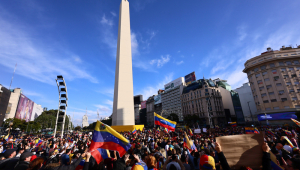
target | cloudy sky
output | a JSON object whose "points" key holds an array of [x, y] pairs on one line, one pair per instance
{"points": [[78, 39]]}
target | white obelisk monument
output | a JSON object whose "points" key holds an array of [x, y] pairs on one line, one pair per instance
{"points": [[123, 108]]}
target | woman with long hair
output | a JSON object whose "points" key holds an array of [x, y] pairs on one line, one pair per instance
{"points": [[151, 163], [36, 164]]}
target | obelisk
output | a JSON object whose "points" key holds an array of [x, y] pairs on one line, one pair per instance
{"points": [[123, 107]]}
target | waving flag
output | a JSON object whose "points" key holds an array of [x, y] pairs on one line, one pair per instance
{"points": [[289, 142], [270, 132], [158, 130], [81, 165], [38, 143], [256, 131], [134, 131], [7, 137], [275, 165], [166, 130], [100, 154], [191, 132], [189, 144], [287, 132], [107, 138], [233, 124], [166, 123], [249, 130], [295, 121]]}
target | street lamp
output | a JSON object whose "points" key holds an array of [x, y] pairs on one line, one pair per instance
{"points": [[250, 111], [62, 104], [266, 118]]}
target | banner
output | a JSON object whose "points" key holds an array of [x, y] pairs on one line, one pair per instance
{"points": [[190, 78], [143, 104], [25, 107], [277, 116], [174, 83], [197, 131]]}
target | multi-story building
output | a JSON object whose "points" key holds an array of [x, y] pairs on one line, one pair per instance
{"points": [[4, 99], [203, 98], [247, 102], [274, 81], [137, 107], [13, 103], [231, 102], [170, 98], [150, 111]]}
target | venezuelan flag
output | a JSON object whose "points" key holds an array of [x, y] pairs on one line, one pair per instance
{"points": [[256, 131], [38, 143], [217, 127], [289, 142], [191, 132], [81, 165], [287, 132], [134, 131], [270, 132], [100, 154], [139, 166], [249, 130], [107, 138], [166, 123], [7, 137], [295, 121], [189, 144], [233, 124], [166, 130], [274, 164]]}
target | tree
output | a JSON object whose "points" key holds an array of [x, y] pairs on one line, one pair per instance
{"points": [[173, 117], [77, 128], [22, 124], [48, 119]]}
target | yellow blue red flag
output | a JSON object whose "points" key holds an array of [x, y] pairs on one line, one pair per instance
{"points": [[166, 123]]}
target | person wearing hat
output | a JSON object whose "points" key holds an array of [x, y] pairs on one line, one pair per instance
{"points": [[10, 160], [24, 161]]}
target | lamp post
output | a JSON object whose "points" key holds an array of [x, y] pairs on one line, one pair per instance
{"points": [[250, 111], [266, 119]]}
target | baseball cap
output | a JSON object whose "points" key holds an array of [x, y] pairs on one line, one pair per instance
{"points": [[25, 155], [8, 152], [207, 162]]}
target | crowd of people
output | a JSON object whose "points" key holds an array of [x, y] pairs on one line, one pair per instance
{"points": [[150, 150]]}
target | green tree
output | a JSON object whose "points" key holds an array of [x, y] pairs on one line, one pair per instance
{"points": [[77, 128], [173, 117], [48, 119], [22, 124]]}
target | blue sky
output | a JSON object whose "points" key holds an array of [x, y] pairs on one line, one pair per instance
{"points": [[170, 39]]}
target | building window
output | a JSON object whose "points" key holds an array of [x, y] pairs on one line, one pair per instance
{"points": [[263, 95], [272, 65], [281, 91], [283, 99], [283, 69], [278, 84], [297, 68], [264, 73], [288, 63], [257, 75], [261, 88], [298, 90], [297, 106], [271, 93], [288, 83], [293, 75], [266, 101], [269, 86], [259, 82], [286, 107], [267, 79], [292, 90], [273, 100], [296, 62], [281, 63], [274, 71], [296, 82], [268, 108], [276, 78], [294, 98], [255, 70], [275, 107], [285, 76], [263, 67], [291, 68]]}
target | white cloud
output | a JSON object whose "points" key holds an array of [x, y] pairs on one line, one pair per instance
{"points": [[242, 32], [160, 62], [106, 91], [109, 102], [152, 90], [113, 13], [106, 21], [36, 59], [179, 62], [134, 45]]}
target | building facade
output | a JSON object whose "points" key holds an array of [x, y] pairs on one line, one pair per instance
{"points": [[13, 103], [274, 81], [171, 98], [4, 100], [203, 98], [150, 111], [247, 102], [137, 107]]}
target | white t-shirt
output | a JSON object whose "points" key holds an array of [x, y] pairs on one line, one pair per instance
{"points": [[167, 148]]}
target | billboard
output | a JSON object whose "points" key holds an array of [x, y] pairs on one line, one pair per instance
{"points": [[25, 107], [143, 104], [190, 78], [277, 116], [174, 83], [157, 99], [36, 111]]}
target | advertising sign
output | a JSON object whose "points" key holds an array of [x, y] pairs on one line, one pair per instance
{"points": [[25, 107], [157, 99], [143, 104], [174, 83], [277, 116], [190, 78], [36, 111]]}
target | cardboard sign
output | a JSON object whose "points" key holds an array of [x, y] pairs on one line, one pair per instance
{"points": [[242, 150], [204, 130], [197, 131]]}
